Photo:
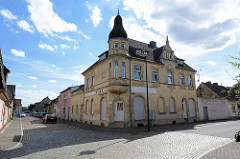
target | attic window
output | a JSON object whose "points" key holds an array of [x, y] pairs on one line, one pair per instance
{"points": [[180, 62], [170, 57], [102, 57], [138, 52]]}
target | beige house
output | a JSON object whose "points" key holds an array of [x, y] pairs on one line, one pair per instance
{"points": [[115, 85], [77, 102]]}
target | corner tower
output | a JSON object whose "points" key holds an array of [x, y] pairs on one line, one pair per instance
{"points": [[117, 38]]}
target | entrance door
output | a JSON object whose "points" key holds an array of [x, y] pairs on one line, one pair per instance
{"points": [[119, 111], [205, 111], [138, 108], [184, 108], [103, 109]]}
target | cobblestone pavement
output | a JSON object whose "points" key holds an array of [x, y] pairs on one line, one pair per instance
{"points": [[65, 141], [229, 151]]}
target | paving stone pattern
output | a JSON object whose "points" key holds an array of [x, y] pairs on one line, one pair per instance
{"points": [[65, 141]]}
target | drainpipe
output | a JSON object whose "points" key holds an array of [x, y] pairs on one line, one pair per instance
{"points": [[130, 91]]}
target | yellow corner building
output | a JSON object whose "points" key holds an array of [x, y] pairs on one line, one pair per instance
{"points": [[115, 92]]}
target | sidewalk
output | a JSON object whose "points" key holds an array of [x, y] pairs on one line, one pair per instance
{"points": [[11, 136], [229, 151]]}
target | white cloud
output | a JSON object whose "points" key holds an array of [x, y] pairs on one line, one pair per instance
{"points": [[194, 27], [52, 81], [7, 14], [32, 77], [47, 47], [67, 38], [75, 47], [25, 26], [211, 63], [96, 16], [63, 53], [84, 35], [46, 20], [18, 52], [91, 54], [64, 46], [32, 96]]}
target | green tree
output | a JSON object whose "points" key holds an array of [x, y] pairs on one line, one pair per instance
{"points": [[235, 90]]}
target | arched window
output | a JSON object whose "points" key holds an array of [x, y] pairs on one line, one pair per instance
{"points": [[87, 107], [184, 108], [92, 107], [172, 105], [103, 108], [139, 108], [192, 111], [161, 105]]}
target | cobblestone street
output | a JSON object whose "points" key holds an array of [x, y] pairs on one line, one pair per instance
{"points": [[64, 141]]}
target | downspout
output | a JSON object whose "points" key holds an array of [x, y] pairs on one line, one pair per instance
{"points": [[130, 91]]}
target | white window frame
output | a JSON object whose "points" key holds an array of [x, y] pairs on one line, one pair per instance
{"points": [[123, 69], [181, 79], [170, 76], [155, 74], [116, 69], [138, 71]]}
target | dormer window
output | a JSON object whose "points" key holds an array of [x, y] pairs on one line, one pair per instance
{"points": [[166, 55], [170, 57], [102, 57], [122, 45], [115, 45], [138, 52]]}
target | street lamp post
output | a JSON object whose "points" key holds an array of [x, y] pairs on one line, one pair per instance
{"points": [[145, 54]]}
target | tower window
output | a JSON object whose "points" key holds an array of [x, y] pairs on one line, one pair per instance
{"points": [[116, 69], [115, 45], [122, 45]]}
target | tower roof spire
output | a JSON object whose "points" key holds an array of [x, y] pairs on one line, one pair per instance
{"points": [[117, 30]]}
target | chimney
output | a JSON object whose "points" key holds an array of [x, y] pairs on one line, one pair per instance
{"points": [[209, 82], [153, 44]]}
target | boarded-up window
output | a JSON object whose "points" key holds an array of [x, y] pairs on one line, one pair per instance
{"points": [[191, 104], [172, 105], [139, 108], [160, 105]]}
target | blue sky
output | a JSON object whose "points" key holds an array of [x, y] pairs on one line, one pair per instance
{"points": [[46, 44]]}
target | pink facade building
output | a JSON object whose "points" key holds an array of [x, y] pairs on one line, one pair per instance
{"points": [[64, 103]]}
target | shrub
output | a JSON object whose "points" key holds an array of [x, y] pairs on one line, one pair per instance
{"points": [[237, 136], [12, 118]]}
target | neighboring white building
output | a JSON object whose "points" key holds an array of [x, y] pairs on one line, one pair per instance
{"points": [[213, 103]]}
